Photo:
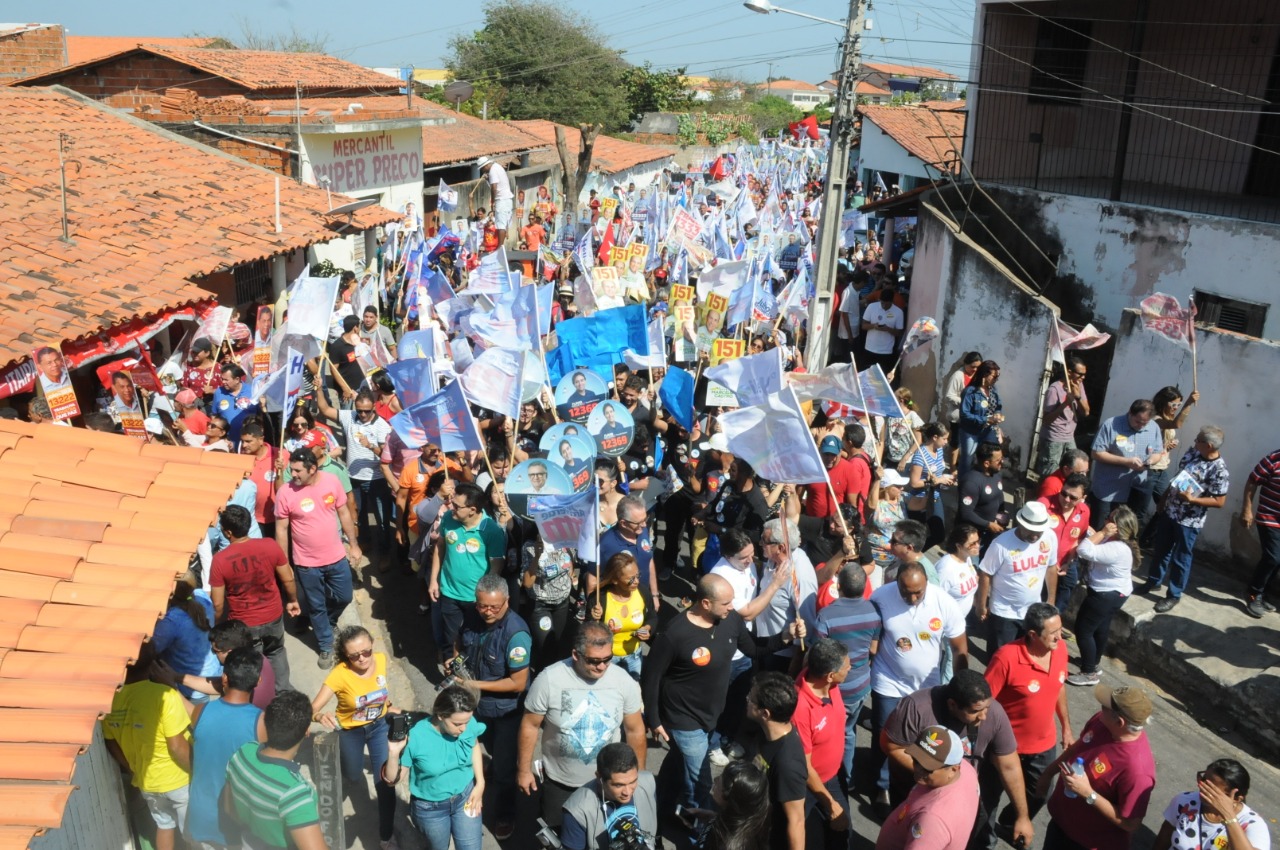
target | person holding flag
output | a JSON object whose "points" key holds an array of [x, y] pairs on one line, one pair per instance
{"points": [[1065, 403]]}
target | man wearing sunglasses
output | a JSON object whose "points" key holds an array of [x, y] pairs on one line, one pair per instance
{"points": [[1069, 519]]}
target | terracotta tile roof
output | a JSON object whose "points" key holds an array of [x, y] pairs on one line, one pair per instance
{"points": [[147, 209], [921, 130], [86, 48], [789, 85], [65, 638], [467, 138], [180, 104], [610, 155], [865, 88], [908, 70]]}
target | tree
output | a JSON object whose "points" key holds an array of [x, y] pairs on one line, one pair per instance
{"points": [[574, 169], [541, 63], [251, 38], [655, 91], [822, 112], [772, 113]]}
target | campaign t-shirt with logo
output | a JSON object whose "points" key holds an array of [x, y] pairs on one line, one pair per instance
{"points": [[911, 639], [959, 578], [1029, 693], [1069, 529], [1017, 571], [361, 699], [612, 542], [312, 514], [263, 476], [820, 723], [466, 555], [686, 674], [234, 407], [1123, 772], [247, 570]]}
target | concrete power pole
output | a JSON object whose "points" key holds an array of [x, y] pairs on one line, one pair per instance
{"points": [[842, 119]]}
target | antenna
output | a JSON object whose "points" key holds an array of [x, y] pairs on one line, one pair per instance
{"points": [[458, 91], [64, 143]]}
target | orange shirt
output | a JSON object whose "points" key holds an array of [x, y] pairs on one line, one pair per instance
{"points": [[414, 478], [533, 236]]}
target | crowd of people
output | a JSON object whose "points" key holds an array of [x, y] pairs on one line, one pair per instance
{"points": [[738, 623]]}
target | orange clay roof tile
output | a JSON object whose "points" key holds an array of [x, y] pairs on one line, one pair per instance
{"points": [[18, 725], [141, 195], [86, 48], [609, 154], [52, 665], [37, 804], [921, 130], [40, 762]]}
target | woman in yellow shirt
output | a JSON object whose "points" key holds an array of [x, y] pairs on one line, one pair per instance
{"points": [[359, 682], [621, 607]]}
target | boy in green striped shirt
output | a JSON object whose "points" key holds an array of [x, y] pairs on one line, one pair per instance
{"points": [[265, 790]]}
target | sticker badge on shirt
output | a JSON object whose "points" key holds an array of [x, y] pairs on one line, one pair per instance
{"points": [[701, 656], [925, 637], [420, 478], [544, 624], [224, 404], [1100, 764], [517, 654], [916, 830], [987, 490], [330, 499], [1087, 737], [936, 624], [968, 500], [1034, 686], [473, 545], [644, 545], [904, 644], [1075, 532], [307, 506], [1044, 545], [451, 537], [1062, 677]]}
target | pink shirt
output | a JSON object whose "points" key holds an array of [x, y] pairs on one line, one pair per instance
{"points": [[934, 818], [312, 514], [397, 455]]}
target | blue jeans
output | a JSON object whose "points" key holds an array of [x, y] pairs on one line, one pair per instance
{"points": [[1172, 556], [446, 622], [881, 707], [444, 819], [374, 496], [631, 663], [1270, 561], [690, 762], [852, 708], [968, 446], [326, 592], [351, 745], [1067, 584], [735, 706]]}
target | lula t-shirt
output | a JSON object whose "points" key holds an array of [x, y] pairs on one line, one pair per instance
{"points": [[312, 513], [1017, 569]]}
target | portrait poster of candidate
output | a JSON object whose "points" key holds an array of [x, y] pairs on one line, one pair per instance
{"points": [[55, 382], [613, 428], [260, 358], [578, 393], [575, 453], [531, 478], [126, 405]]}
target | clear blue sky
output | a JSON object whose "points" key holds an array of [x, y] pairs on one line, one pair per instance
{"points": [[713, 37]]}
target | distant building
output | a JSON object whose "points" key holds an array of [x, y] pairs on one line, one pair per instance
{"points": [[803, 96], [910, 145]]}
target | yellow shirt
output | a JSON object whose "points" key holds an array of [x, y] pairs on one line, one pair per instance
{"points": [[361, 699], [624, 619], [143, 715]]}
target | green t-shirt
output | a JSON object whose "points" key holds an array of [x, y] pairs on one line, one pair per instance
{"points": [[270, 795], [440, 767], [466, 555]]}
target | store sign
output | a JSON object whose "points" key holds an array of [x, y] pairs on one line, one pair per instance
{"points": [[365, 161]]}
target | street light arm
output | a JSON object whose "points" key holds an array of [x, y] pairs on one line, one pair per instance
{"points": [[840, 24]]}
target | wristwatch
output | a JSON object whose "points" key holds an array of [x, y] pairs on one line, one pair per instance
{"points": [[1091, 799]]}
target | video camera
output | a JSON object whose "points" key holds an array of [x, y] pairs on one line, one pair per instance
{"points": [[457, 670]]}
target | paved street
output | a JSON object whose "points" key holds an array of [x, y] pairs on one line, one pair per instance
{"points": [[387, 604]]}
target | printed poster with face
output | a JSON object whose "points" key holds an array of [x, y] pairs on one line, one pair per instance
{"points": [[606, 288], [55, 382], [684, 333], [574, 453], [613, 428], [260, 359], [531, 478], [578, 393], [618, 255], [126, 405]]}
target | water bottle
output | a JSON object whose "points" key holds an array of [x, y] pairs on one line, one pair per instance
{"points": [[1078, 770]]}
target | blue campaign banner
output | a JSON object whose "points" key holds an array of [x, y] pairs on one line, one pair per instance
{"points": [[676, 393], [598, 341]]}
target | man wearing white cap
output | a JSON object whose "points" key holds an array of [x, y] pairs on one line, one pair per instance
{"points": [[940, 810], [500, 191], [1014, 570]]}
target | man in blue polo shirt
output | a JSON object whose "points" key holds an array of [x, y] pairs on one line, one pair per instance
{"points": [[233, 401], [631, 534]]}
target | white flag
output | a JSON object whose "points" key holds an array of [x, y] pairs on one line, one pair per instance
{"points": [[838, 382], [752, 378], [725, 279], [311, 305], [774, 438], [493, 380]]}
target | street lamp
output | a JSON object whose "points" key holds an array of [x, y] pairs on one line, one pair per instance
{"points": [[841, 135]]}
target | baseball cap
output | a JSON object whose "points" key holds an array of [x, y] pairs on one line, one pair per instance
{"points": [[186, 398], [313, 438], [203, 344], [1034, 516], [937, 747], [1132, 704], [719, 442], [893, 478], [831, 445]]}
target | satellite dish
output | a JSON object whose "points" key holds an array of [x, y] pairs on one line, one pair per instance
{"points": [[349, 210], [458, 91]]}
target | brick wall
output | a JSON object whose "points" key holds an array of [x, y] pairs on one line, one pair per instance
{"points": [[277, 161], [138, 81], [32, 51]]}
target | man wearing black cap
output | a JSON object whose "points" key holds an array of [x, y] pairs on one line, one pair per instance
{"points": [[1106, 776], [939, 811]]}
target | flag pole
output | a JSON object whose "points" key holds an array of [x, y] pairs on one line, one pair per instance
{"points": [[1191, 334]]}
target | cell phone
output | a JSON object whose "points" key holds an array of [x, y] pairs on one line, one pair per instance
{"points": [[538, 771]]}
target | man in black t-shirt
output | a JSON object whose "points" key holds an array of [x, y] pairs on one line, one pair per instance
{"points": [[685, 680], [342, 354], [776, 748], [982, 493]]}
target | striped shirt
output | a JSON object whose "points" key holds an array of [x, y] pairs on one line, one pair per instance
{"points": [[931, 462], [1266, 477], [270, 796], [855, 623]]}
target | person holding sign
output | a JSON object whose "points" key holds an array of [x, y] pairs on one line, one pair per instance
{"points": [[55, 382], [612, 434]]}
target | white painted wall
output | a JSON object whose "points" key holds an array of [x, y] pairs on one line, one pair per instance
{"points": [[1235, 376]]}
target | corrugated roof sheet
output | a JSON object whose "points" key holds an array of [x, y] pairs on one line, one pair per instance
{"points": [[66, 638], [147, 210]]}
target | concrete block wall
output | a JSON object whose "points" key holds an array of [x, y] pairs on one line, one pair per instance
{"points": [[32, 51]]}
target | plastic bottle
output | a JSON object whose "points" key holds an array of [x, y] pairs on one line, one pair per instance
{"points": [[1078, 769]]}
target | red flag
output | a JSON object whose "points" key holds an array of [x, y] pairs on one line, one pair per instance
{"points": [[1164, 315], [606, 244], [809, 126]]}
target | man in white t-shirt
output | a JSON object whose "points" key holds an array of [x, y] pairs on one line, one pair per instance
{"points": [[883, 322], [1013, 570], [500, 193], [916, 619]]}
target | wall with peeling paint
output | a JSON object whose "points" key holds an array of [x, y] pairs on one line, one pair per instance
{"points": [[1236, 377]]}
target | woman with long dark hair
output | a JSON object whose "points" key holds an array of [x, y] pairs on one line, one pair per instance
{"points": [[741, 794], [980, 413], [1111, 553]]}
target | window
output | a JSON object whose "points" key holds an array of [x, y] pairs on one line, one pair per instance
{"points": [[1062, 52], [253, 281], [1230, 314]]}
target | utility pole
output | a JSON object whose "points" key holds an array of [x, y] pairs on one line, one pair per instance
{"points": [[297, 125], [769, 79], [842, 120]]}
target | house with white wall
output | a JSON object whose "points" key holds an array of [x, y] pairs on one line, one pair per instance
{"points": [[910, 145], [803, 96]]}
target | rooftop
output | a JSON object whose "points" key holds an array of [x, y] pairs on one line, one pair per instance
{"points": [[86, 48], [94, 529], [789, 85], [610, 154], [7, 29], [147, 210], [178, 104], [908, 70], [468, 138], [926, 130]]}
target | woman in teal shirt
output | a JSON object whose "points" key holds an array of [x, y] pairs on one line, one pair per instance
{"points": [[446, 773]]}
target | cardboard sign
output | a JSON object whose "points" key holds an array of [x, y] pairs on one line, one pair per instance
{"points": [[727, 349], [681, 294], [606, 287], [608, 206], [718, 395], [618, 255], [638, 249], [55, 381], [717, 303]]}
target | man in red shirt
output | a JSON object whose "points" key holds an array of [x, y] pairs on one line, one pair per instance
{"points": [[1069, 519], [1072, 461], [819, 719], [1027, 678], [263, 475], [242, 584]]}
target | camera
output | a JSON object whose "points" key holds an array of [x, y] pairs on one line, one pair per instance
{"points": [[626, 834], [398, 725], [457, 670], [547, 836]]}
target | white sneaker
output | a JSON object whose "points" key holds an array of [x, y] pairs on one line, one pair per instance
{"points": [[736, 752], [719, 758]]}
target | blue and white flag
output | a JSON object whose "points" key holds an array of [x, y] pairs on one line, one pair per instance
{"points": [[676, 393], [412, 379], [446, 198], [752, 378], [567, 522], [443, 419], [492, 276], [416, 344], [774, 438], [583, 255], [493, 380]]}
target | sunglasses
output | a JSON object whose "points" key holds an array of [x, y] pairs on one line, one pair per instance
{"points": [[595, 662], [357, 656]]}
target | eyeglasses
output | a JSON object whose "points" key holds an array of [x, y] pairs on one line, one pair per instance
{"points": [[213, 426], [537, 475], [357, 656], [492, 609], [895, 541], [595, 662]]}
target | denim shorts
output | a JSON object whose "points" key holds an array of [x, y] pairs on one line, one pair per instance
{"points": [[168, 810]]}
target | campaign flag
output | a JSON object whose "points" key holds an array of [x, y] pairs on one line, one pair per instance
{"points": [[582, 254], [807, 127], [1164, 315], [837, 382], [373, 355], [676, 393], [462, 354], [606, 245], [492, 276], [412, 380], [445, 240], [1067, 339], [751, 379], [774, 438], [567, 522], [493, 380], [598, 341], [725, 278], [443, 419], [282, 387], [446, 198], [877, 395], [310, 307], [546, 300], [922, 331], [366, 294], [438, 288], [416, 344], [512, 322], [765, 306], [740, 303]]}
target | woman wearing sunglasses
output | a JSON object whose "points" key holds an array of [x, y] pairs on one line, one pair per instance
{"points": [[1215, 815], [359, 681]]}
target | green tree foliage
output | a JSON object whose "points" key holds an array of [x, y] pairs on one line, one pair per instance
{"points": [[772, 113], [539, 62], [655, 91], [481, 103]]}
